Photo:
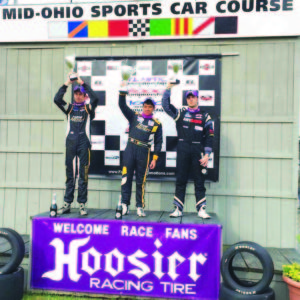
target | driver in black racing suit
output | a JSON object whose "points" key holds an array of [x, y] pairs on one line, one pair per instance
{"points": [[78, 146], [195, 140], [137, 152]]}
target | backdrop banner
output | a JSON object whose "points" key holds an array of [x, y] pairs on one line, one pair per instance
{"points": [[147, 20], [132, 258], [109, 129]]}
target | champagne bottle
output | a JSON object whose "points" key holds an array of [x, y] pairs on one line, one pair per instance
{"points": [[53, 207]]}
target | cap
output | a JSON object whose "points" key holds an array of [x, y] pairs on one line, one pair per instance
{"points": [[79, 88], [191, 92], [149, 101]]}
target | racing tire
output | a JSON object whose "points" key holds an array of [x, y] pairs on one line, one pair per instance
{"points": [[17, 247], [12, 285], [245, 287], [228, 294]]}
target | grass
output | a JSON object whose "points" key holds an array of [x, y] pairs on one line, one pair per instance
{"points": [[51, 297], [30, 296]]}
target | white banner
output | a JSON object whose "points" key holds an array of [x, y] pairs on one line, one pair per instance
{"points": [[140, 20]]}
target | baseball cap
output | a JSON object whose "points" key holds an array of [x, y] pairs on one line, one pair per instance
{"points": [[149, 101], [191, 92], [79, 88]]}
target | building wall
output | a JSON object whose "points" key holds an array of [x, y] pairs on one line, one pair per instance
{"points": [[256, 195]]}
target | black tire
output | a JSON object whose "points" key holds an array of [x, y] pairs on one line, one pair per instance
{"points": [[228, 294], [18, 250], [12, 285], [235, 283]]}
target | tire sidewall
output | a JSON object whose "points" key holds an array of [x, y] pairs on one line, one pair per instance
{"points": [[18, 250], [227, 270]]}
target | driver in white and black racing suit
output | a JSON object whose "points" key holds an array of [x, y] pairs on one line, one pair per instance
{"points": [[195, 140]]}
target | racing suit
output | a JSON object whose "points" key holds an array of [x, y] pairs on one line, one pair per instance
{"points": [[77, 141], [137, 153], [195, 136]]}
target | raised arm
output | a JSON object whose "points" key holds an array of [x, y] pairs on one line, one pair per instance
{"points": [[92, 95], [127, 112], [58, 99], [170, 109]]}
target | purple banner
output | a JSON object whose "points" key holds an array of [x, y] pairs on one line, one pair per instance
{"points": [[126, 258]]}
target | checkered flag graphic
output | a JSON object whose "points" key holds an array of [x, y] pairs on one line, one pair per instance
{"points": [[140, 27]]}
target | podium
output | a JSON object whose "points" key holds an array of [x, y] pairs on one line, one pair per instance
{"points": [[155, 256]]}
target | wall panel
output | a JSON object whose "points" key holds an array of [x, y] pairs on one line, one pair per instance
{"points": [[255, 197]]}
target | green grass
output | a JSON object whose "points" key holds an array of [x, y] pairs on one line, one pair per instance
{"points": [[34, 296], [50, 297]]}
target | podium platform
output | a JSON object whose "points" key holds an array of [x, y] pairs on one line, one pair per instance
{"points": [[151, 216]]}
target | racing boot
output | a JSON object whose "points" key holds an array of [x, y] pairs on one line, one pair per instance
{"points": [[176, 213], [66, 209], [82, 210], [125, 209], [140, 212], [202, 213]]}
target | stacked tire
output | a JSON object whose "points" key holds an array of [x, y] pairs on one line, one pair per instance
{"points": [[233, 288], [11, 274]]}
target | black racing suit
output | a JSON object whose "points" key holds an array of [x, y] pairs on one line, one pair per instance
{"points": [[137, 153], [78, 144], [195, 137]]}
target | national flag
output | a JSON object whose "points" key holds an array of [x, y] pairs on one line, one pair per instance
{"points": [[58, 29], [204, 26], [77, 29], [160, 27], [98, 29], [226, 25], [118, 28], [182, 26]]}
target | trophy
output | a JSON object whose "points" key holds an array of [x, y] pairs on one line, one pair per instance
{"points": [[70, 62], [126, 72], [176, 67]]}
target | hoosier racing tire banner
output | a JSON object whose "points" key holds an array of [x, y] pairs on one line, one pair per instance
{"points": [[132, 258]]}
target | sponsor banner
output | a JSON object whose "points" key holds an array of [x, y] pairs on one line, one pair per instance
{"points": [[168, 19], [110, 128], [132, 258]]}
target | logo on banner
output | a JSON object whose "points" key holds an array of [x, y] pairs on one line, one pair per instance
{"points": [[191, 82], [207, 67], [113, 262], [113, 65], [98, 83], [112, 158], [206, 98], [84, 68], [98, 142]]}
